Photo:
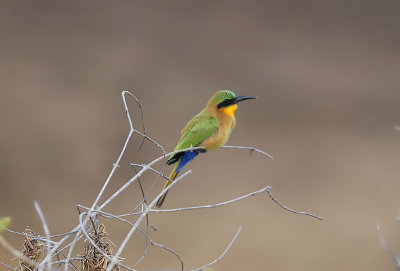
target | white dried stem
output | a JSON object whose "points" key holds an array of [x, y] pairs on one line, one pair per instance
{"points": [[147, 236], [139, 220], [395, 258], [289, 209], [54, 249], [251, 149], [19, 255], [210, 205], [95, 245], [47, 233], [223, 253], [9, 267], [145, 167]]}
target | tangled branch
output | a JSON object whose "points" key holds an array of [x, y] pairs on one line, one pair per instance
{"points": [[98, 254]]}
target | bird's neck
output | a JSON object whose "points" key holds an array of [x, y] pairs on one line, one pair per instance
{"points": [[229, 110], [226, 115], [224, 112]]}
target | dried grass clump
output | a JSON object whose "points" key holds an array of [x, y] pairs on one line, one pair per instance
{"points": [[32, 249], [93, 260]]}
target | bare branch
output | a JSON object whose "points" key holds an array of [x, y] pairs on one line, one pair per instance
{"points": [[96, 247], [249, 148], [139, 220], [143, 201], [140, 173], [115, 166], [147, 236], [18, 254], [210, 205], [6, 265], [395, 258], [289, 209], [46, 232], [72, 245], [41, 238], [69, 240], [265, 189], [223, 253], [143, 135]]}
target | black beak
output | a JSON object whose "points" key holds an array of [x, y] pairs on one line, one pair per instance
{"points": [[242, 98], [226, 103]]}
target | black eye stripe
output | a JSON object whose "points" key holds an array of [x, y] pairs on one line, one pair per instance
{"points": [[225, 103]]}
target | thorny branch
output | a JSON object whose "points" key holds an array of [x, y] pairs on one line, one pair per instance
{"points": [[55, 257], [265, 189]]}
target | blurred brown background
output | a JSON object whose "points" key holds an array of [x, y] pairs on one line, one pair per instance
{"points": [[327, 77]]}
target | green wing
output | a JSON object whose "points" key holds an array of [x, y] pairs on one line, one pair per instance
{"points": [[195, 132]]}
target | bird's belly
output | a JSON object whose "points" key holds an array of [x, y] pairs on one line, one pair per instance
{"points": [[216, 141]]}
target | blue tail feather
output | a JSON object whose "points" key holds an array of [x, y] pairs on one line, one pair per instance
{"points": [[186, 158]]}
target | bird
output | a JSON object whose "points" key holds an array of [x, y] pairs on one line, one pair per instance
{"points": [[209, 130]]}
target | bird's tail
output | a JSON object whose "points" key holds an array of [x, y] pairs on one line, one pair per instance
{"points": [[172, 176]]}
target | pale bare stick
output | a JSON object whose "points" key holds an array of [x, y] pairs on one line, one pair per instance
{"points": [[160, 174], [147, 236], [6, 265], [139, 220], [289, 209], [96, 247], [148, 166], [144, 135], [56, 251], [39, 237], [265, 189], [72, 245], [46, 232], [141, 113], [60, 250], [56, 248], [115, 166], [223, 253], [144, 169], [80, 230], [395, 258], [210, 205], [252, 149], [60, 262], [19, 255], [143, 201]]}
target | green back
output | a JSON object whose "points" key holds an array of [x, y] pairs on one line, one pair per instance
{"points": [[198, 129]]}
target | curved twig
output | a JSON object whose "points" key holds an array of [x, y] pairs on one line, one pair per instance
{"points": [[223, 253], [289, 209]]}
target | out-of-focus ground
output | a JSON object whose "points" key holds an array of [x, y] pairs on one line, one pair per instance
{"points": [[327, 75]]}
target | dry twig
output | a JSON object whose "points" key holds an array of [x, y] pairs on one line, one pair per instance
{"points": [[395, 258], [97, 254]]}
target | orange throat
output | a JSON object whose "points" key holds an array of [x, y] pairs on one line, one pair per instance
{"points": [[230, 110]]}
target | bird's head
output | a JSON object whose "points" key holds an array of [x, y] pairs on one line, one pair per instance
{"points": [[226, 101]]}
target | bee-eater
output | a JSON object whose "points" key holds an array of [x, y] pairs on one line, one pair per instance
{"points": [[210, 129]]}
